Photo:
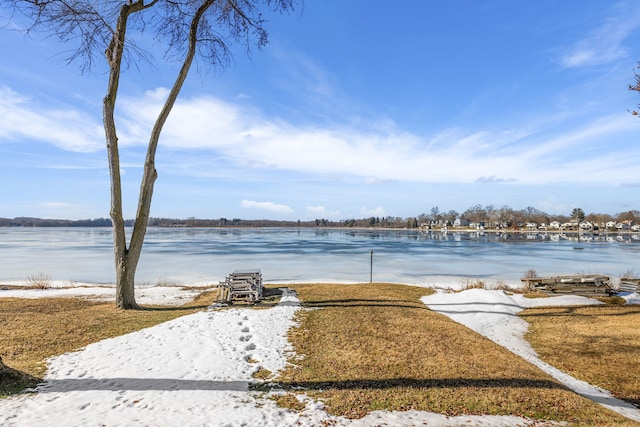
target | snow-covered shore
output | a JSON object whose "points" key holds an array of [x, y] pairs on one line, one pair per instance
{"points": [[151, 295], [176, 294]]}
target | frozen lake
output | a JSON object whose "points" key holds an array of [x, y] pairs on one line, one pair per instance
{"points": [[206, 255]]}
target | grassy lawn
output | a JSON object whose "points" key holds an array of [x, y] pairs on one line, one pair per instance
{"points": [[597, 344], [376, 346]]}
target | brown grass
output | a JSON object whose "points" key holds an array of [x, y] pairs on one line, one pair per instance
{"points": [[376, 346], [262, 374], [289, 400], [36, 329], [597, 344]]}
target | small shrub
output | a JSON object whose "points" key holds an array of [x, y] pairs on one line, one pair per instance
{"points": [[166, 283], [39, 281], [478, 284], [501, 285], [630, 274]]}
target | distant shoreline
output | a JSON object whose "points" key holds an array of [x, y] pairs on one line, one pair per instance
{"points": [[330, 227], [389, 223]]}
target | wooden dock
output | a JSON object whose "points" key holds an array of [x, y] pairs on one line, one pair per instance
{"points": [[579, 284], [241, 285], [628, 284]]}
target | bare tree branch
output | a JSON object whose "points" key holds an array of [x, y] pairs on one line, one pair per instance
{"points": [[636, 87]]}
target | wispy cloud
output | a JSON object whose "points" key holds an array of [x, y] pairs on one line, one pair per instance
{"points": [[54, 209], [317, 92], [322, 212], [299, 71], [494, 180], [605, 43], [23, 118], [377, 212], [267, 206], [232, 139]]}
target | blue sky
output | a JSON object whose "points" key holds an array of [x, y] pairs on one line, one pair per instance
{"points": [[354, 109]]}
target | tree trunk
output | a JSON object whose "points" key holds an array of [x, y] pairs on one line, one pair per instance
{"points": [[125, 264], [126, 259]]}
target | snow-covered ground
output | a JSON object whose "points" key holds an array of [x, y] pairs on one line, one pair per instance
{"points": [[196, 370], [151, 295]]}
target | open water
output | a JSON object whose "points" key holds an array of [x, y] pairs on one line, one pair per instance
{"points": [[207, 255]]}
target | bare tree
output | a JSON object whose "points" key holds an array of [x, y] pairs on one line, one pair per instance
{"points": [[450, 216], [435, 213], [187, 28], [506, 216], [475, 213], [492, 216], [636, 87], [599, 219], [632, 215]]}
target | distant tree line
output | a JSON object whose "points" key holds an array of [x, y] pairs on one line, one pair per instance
{"points": [[503, 217], [45, 222]]}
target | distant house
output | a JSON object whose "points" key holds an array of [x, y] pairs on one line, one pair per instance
{"points": [[610, 225], [554, 225], [586, 225], [532, 226], [461, 222], [432, 224]]}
